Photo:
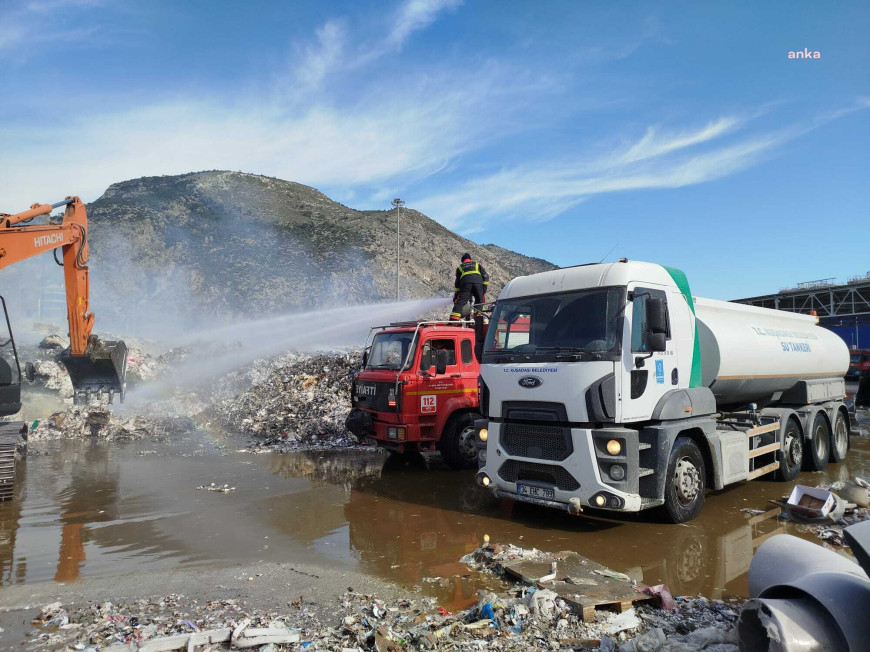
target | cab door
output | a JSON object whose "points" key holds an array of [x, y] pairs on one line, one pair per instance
{"points": [[646, 376], [434, 388]]}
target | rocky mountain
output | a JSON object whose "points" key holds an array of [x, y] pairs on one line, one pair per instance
{"points": [[230, 243]]}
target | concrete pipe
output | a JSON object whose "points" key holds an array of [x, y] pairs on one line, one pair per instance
{"points": [[805, 598], [785, 559], [787, 625]]}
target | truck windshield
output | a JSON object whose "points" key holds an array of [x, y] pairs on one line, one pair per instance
{"points": [[389, 351], [583, 323]]}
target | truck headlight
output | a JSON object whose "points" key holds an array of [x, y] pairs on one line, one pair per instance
{"points": [[614, 447], [617, 472], [392, 433], [483, 433]]}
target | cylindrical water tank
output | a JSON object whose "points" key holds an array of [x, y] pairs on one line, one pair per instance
{"points": [[749, 354]]}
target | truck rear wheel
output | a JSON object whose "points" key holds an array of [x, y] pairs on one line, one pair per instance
{"points": [[685, 482], [791, 454], [839, 438], [457, 442], [818, 449]]}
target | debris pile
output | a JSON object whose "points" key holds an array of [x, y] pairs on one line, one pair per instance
{"points": [[171, 620], [81, 422], [852, 498], [53, 376], [303, 401], [544, 619], [523, 619], [142, 366]]}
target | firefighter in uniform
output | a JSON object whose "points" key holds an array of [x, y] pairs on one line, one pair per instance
{"points": [[471, 281]]}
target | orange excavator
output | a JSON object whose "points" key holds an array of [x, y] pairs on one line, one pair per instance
{"points": [[97, 368]]}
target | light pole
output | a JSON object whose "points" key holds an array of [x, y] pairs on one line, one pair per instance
{"points": [[397, 204]]}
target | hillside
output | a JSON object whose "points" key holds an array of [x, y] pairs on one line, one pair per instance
{"points": [[228, 243]]}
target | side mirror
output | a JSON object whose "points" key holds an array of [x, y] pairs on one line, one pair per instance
{"points": [[656, 317], [440, 362], [656, 342], [365, 359], [29, 371]]}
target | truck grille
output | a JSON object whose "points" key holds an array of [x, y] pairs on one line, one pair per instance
{"points": [[374, 395], [539, 442], [516, 470]]}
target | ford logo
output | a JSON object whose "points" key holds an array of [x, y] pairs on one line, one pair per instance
{"points": [[530, 382]]}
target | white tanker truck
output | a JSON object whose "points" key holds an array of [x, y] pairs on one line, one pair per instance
{"points": [[610, 386]]}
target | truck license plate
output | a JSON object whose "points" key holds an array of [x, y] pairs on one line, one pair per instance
{"points": [[536, 492]]}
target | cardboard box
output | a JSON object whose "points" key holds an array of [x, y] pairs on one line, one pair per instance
{"points": [[811, 502]]}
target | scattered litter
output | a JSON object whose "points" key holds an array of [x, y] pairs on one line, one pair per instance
{"points": [[811, 503], [621, 622], [550, 576], [663, 594], [220, 488], [614, 575], [813, 506], [856, 493]]}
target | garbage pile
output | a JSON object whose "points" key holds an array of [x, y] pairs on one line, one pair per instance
{"points": [[170, 619], [534, 616], [102, 423], [302, 402], [142, 366], [521, 619], [51, 374]]}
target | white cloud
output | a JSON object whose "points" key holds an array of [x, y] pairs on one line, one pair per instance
{"points": [[335, 51], [542, 190], [322, 58], [653, 144], [415, 15], [25, 24], [364, 145]]}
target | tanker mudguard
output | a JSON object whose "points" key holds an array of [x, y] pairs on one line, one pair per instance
{"points": [[681, 403]]}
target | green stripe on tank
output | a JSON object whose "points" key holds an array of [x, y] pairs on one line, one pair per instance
{"points": [[683, 284]]}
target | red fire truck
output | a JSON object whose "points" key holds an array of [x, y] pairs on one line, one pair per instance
{"points": [[417, 390]]}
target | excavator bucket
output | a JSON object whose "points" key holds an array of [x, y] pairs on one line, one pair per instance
{"points": [[100, 373]]}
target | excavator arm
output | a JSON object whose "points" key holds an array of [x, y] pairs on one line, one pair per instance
{"points": [[94, 365]]}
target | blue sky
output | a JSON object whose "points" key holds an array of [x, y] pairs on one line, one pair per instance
{"points": [[675, 132]]}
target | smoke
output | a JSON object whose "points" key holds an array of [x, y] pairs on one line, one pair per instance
{"points": [[231, 347]]}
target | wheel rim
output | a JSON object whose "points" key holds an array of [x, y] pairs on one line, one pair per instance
{"points": [[819, 441], [841, 436], [466, 443], [793, 450], [687, 481]]}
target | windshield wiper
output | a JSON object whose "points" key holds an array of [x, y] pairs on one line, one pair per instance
{"points": [[569, 352], [505, 356]]}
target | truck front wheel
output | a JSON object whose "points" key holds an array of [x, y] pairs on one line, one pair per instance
{"points": [[457, 442], [685, 482], [816, 455]]}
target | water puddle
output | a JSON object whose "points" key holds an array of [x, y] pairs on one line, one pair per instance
{"points": [[90, 509]]}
